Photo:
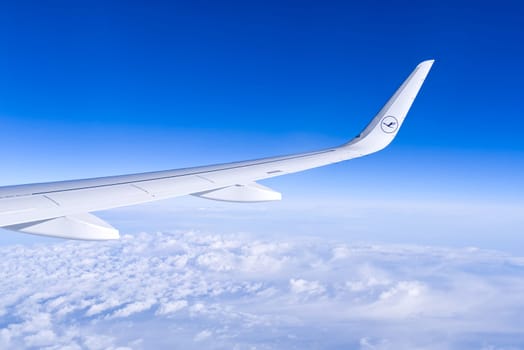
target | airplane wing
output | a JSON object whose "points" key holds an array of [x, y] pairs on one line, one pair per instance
{"points": [[62, 209]]}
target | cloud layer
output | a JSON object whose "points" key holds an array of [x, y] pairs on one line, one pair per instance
{"points": [[196, 290]]}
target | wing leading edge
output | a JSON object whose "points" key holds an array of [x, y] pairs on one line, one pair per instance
{"points": [[61, 208]]}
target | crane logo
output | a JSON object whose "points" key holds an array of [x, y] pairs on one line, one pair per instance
{"points": [[389, 124]]}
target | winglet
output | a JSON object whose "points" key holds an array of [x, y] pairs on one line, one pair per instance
{"points": [[385, 125]]}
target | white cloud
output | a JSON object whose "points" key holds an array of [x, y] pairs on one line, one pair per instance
{"points": [[40, 339], [133, 308], [300, 286], [171, 307], [203, 335], [156, 290]]}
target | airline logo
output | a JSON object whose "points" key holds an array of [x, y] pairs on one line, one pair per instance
{"points": [[389, 124]]}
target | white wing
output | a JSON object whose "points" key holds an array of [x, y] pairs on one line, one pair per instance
{"points": [[61, 209]]}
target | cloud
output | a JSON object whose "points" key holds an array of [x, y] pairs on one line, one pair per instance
{"points": [[171, 307], [196, 290], [203, 335], [300, 286], [133, 308]]}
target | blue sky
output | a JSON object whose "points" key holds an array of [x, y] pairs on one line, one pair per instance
{"points": [[97, 88], [417, 246]]}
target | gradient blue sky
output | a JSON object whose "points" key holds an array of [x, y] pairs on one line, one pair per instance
{"points": [[98, 88]]}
